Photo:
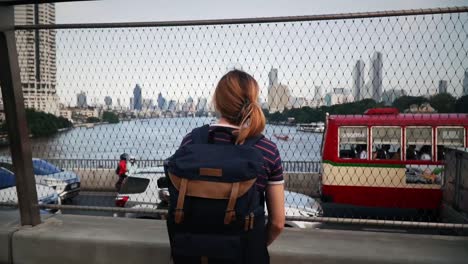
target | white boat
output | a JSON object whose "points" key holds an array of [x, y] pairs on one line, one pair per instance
{"points": [[314, 127]]}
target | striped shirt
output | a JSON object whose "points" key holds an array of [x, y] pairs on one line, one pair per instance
{"points": [[272, 161]]}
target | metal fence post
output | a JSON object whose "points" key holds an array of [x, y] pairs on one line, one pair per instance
{"points": [[18, 132]]}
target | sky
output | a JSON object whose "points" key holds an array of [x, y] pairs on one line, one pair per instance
{"points": [[187, 61], [162, 10]]}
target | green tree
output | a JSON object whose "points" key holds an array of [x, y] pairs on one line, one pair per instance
{"points": [[443, 103], [110, 117], [93, 119], [404, 102], [461, 105]]}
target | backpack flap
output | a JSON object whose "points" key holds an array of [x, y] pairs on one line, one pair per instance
{"points": [[224, 163]]}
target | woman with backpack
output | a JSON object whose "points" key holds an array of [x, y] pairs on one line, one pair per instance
{"points": [[226, 155]]}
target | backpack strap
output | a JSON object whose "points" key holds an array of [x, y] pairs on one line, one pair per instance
{"points": [[179, 213], [200, 134], [230, 212]]}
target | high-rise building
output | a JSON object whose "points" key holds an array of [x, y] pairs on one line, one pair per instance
{"points": [[376, 77], [172, 106], [81, 100], [279, 96], [202, 104], [443, 84], [358, 80], [137, 98], [273, 77], [36, 57], [161, 102], [108, 101], [465, 83]]}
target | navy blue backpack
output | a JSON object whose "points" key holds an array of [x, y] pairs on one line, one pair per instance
{"points": [[216, 214]]}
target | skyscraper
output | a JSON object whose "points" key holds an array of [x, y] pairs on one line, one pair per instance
{"points": [[161, 102], [443, 86], [465, 83], [376, 76], [36, 57], [108, 101], [81, 100], [137, 98], [358, 80], [279, 96], [273, 77]]}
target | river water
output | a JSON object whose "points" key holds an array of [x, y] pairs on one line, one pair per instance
{"points": [[157, 139]]}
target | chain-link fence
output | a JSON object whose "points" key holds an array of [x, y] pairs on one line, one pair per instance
{"points": [[140, 88]]}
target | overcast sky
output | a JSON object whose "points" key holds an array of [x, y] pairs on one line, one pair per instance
{"points": [[158, 10], [175, 61]]}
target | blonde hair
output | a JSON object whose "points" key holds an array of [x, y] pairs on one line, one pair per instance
{"points": [[235, 98]]}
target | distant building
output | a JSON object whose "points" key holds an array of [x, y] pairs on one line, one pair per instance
{"points": [[376, 76], [338, 96], [389, 96], [162, 102], [148, 104], [189, 105], [172, 106], [279, 96], [202, 105], [358, 80], [465, 83], [273, 77], [37, 57], [108, 101], [137, 98], [66, 113], [81, 100], [132, 103], [443, 84]]}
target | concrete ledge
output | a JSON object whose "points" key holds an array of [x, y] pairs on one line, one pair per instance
{"points": [[9, 224], [89, 239]]}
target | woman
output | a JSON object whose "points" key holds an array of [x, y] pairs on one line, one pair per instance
{"points": [[235, 99]]}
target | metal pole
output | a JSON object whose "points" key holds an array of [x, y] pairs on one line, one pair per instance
{"points": [[18, 133]]}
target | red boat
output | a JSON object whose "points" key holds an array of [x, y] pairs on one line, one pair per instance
{"points": [[281, 137]]}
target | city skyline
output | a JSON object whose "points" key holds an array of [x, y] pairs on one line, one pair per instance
{"points": [[179, 72]]}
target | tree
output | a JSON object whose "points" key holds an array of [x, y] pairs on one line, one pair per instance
{"points": [[93, 119], [404, 102], [443, 103], [110, 117], [461, 105]]}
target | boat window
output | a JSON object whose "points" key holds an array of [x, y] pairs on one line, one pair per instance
{"points": [[449, 137], [353, 142], [419, 143], [386, 143]]}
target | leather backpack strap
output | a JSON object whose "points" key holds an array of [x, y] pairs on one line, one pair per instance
{"points": [[179, 213], [230, 212]]}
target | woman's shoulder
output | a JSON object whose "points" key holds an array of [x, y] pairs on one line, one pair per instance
{"points": [[264, 143]]}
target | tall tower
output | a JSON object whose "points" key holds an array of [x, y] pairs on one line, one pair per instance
{"points": [[376, 76], [465, 83], [137, 98], [358, 80], [81, 100], [36, 56], [442, 86], [273, 77]]}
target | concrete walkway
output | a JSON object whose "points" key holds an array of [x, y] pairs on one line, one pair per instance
{"points": [[89, 239]]}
